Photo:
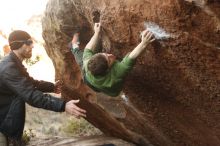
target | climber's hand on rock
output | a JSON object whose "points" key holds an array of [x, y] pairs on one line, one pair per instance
{"points": [[97, 28], [73, 109], [147, 37]]}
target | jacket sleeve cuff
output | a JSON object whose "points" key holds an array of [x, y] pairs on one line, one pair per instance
{"points": [[63, 106]]}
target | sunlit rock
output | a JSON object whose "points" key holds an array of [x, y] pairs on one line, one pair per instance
{"points": [[172, 96]]}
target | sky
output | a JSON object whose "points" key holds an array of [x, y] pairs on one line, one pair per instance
{"points": [[14, 15]]}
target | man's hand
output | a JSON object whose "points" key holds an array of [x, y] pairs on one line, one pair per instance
{"points": [[57, 86], [97, 28], [147, 37], [73, 109]]}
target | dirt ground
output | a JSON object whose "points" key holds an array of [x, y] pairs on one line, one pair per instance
{"points": [[83, 141]]}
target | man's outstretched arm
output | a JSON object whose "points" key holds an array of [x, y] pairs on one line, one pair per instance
{"points": [[24, 88], [95, 38], [146, 38]]}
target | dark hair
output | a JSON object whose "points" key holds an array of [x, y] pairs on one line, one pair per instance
{"points": [[17, 38], [98, 65]]}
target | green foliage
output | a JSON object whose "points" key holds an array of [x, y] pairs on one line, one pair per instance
{"points": [[80, 127], [27, 135], [31, 62]]}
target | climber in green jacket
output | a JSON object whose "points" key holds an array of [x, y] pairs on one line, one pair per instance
{"points": [[102, 72]]}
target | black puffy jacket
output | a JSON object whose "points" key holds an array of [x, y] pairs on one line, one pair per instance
{"points": [[16, 88]]}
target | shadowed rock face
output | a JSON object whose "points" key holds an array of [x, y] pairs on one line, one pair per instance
{"points": [[174, 89]]}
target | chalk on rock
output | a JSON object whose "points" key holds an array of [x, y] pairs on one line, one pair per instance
{"points": [[159, 33]]}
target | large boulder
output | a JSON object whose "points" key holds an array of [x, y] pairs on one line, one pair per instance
{"points": [[173, 92]]}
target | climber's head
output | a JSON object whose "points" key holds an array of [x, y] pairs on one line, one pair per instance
{"points": [[100, 63]]}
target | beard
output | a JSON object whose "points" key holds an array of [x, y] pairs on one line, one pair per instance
{"points": [[28, 55]]}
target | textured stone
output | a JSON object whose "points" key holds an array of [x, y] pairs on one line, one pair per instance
{"points": [[82, 141], [173, 91]]}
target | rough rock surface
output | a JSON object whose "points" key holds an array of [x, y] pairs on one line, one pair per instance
{"points": [[82, 141], [173, 91]]}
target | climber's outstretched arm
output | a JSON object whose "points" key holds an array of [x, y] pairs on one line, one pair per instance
{"points": [[146, 38], [94, 40]]}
